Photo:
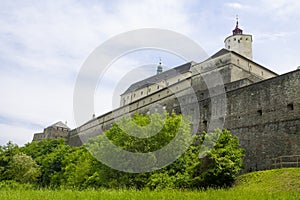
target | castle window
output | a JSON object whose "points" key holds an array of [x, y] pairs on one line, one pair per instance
{"points": [[158, 87], [205, 125], [221, 119], [168, 91], [164, 107], [192, 111], [142, 92], [234, 39], [262, 73], [259, 112], [228, 47], [205, 111], [134, 95], [238, 61], [149, 90], [290, 106], [246, 38]]}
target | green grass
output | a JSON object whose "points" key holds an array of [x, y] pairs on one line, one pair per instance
{"points": [[275, 180], [271, 184], [131, 194]]}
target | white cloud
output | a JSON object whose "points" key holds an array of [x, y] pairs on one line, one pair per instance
{"points": [[236, 5], [18, 135], [275, 36], [281, 9]]}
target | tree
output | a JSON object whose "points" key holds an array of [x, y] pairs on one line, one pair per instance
{"points": [[50, 155], [148, 133], [222, 163], [80, 169], [217, 169], [22, 168], [7, 152]]}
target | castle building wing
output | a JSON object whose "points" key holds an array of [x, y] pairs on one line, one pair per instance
{"points": [[56, 130], [60, 124], [155, 83]]}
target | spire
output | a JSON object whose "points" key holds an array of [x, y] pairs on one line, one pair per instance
{"points": [[159, 67], [237, 30]]}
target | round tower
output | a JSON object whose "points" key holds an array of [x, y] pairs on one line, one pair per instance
{"points": [[239, 42]]}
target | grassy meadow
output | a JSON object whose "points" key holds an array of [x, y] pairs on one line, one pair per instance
{"points": [[271, 184]]}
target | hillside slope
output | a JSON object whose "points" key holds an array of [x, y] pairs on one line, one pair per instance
{"points": [[286, 179]]}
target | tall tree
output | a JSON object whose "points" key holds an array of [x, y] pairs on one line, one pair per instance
{"points": [[22, 168]]}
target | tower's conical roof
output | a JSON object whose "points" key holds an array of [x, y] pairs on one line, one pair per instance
{"points": [[237, 30]]}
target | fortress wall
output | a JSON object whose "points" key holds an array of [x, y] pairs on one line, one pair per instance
{"points": [[38, 136], [265, 115], [266, 118], [263, 142]]}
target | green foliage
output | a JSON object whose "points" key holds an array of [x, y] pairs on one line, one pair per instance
{"points": [[156, 131], [13, 185], [223, 162], [49, 155], [23, 169], [217, 169], [53, 164], [7, 153], [79, 167]]}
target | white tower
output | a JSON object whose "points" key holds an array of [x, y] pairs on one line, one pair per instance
{"points": [[239, 42]]}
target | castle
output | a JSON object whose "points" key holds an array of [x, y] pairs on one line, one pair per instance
{"points": [[262, 108]]}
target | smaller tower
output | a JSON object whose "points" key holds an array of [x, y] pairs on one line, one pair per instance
{"points": [[239, 42], [159, 67]]}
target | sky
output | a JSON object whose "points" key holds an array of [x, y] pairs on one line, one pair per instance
{"points": [[43, 45]]}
